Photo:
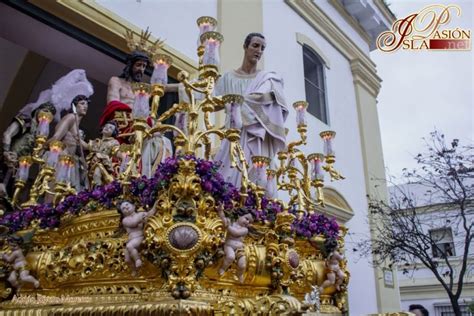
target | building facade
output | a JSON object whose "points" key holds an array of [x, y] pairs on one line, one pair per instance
{"points": [[320, 48]]}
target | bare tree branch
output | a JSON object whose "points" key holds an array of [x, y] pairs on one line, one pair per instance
{"points": [[428, 219]]}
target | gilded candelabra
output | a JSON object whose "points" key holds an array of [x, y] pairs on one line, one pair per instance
{"points": [[294, 174], [24, 164], [62, 182], [184, 239], [46, 161], [201, 103]]}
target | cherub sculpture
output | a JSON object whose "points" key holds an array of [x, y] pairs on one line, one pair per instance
{"points": [[133, 223], [16, 258], [101, 151], [234, 245], [334, 275]]}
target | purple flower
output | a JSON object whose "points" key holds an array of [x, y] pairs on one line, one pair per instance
{"points": [[316, 224], [207, 185], [97, 193]]}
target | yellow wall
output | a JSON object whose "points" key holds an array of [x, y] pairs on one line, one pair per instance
{"points": [[388, 299], [229, 14]]}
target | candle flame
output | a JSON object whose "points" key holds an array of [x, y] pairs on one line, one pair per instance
{"points": [[24, 164], [55, 149]]}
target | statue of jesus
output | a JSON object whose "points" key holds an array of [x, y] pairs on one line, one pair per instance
{"points": [[120, 100]]}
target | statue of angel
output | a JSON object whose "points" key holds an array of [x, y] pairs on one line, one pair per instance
{"points": [[20, 272], [133, 223], [234, 245]]}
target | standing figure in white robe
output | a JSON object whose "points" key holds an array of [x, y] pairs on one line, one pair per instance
{"points": [[263, 112]]}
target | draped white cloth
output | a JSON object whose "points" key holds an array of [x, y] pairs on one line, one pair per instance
{"points": [[263, 115]]}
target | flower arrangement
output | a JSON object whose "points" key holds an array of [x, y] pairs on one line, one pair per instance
{"points": [[50, 216], [146, 190], [314, 224]]}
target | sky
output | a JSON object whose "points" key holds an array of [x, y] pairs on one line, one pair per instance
{"points": [[424, 90]]}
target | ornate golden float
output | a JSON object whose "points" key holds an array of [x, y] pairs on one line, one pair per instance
{"points": [[76, 245]]}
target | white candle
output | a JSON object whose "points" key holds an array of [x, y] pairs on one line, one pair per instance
{"points": [[300, 118], [52, 158], [55, 148], [23, 169], [317, 171], [61, 173], [124, 164], [300, 107], [160, 73], [235, 115], [211, 53], [43, 128], [181, 121], [205, 24], [328, 150], [328, 137], [44, 118], [141, 106], [260, 165]]}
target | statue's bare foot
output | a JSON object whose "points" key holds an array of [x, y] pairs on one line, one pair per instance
{"points": [[36, 284], [221, 271], [241, 278]]}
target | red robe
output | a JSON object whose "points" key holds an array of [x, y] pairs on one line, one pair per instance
{"points": [[108, 115], [110, 109]]}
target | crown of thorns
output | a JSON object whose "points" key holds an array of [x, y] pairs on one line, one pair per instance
{"points": [[143, 43]]}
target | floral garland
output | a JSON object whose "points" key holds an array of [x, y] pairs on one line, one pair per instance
{"points": [[316, 224], [50, 216], [146, 189]]}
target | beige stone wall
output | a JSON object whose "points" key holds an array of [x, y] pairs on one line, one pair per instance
{"points": [[249, 16], [388, 298]]}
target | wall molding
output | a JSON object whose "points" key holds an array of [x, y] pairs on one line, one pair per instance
{"points": [[366, 77], [385, 10], [352, 22]]}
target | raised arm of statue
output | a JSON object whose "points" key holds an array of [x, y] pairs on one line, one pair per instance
{"points": [[152, 211], [224, 219], [113, 89]]}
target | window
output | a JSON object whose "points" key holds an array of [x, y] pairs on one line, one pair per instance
{"points": [[315, 86], [442, 242], [447, 310]]}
